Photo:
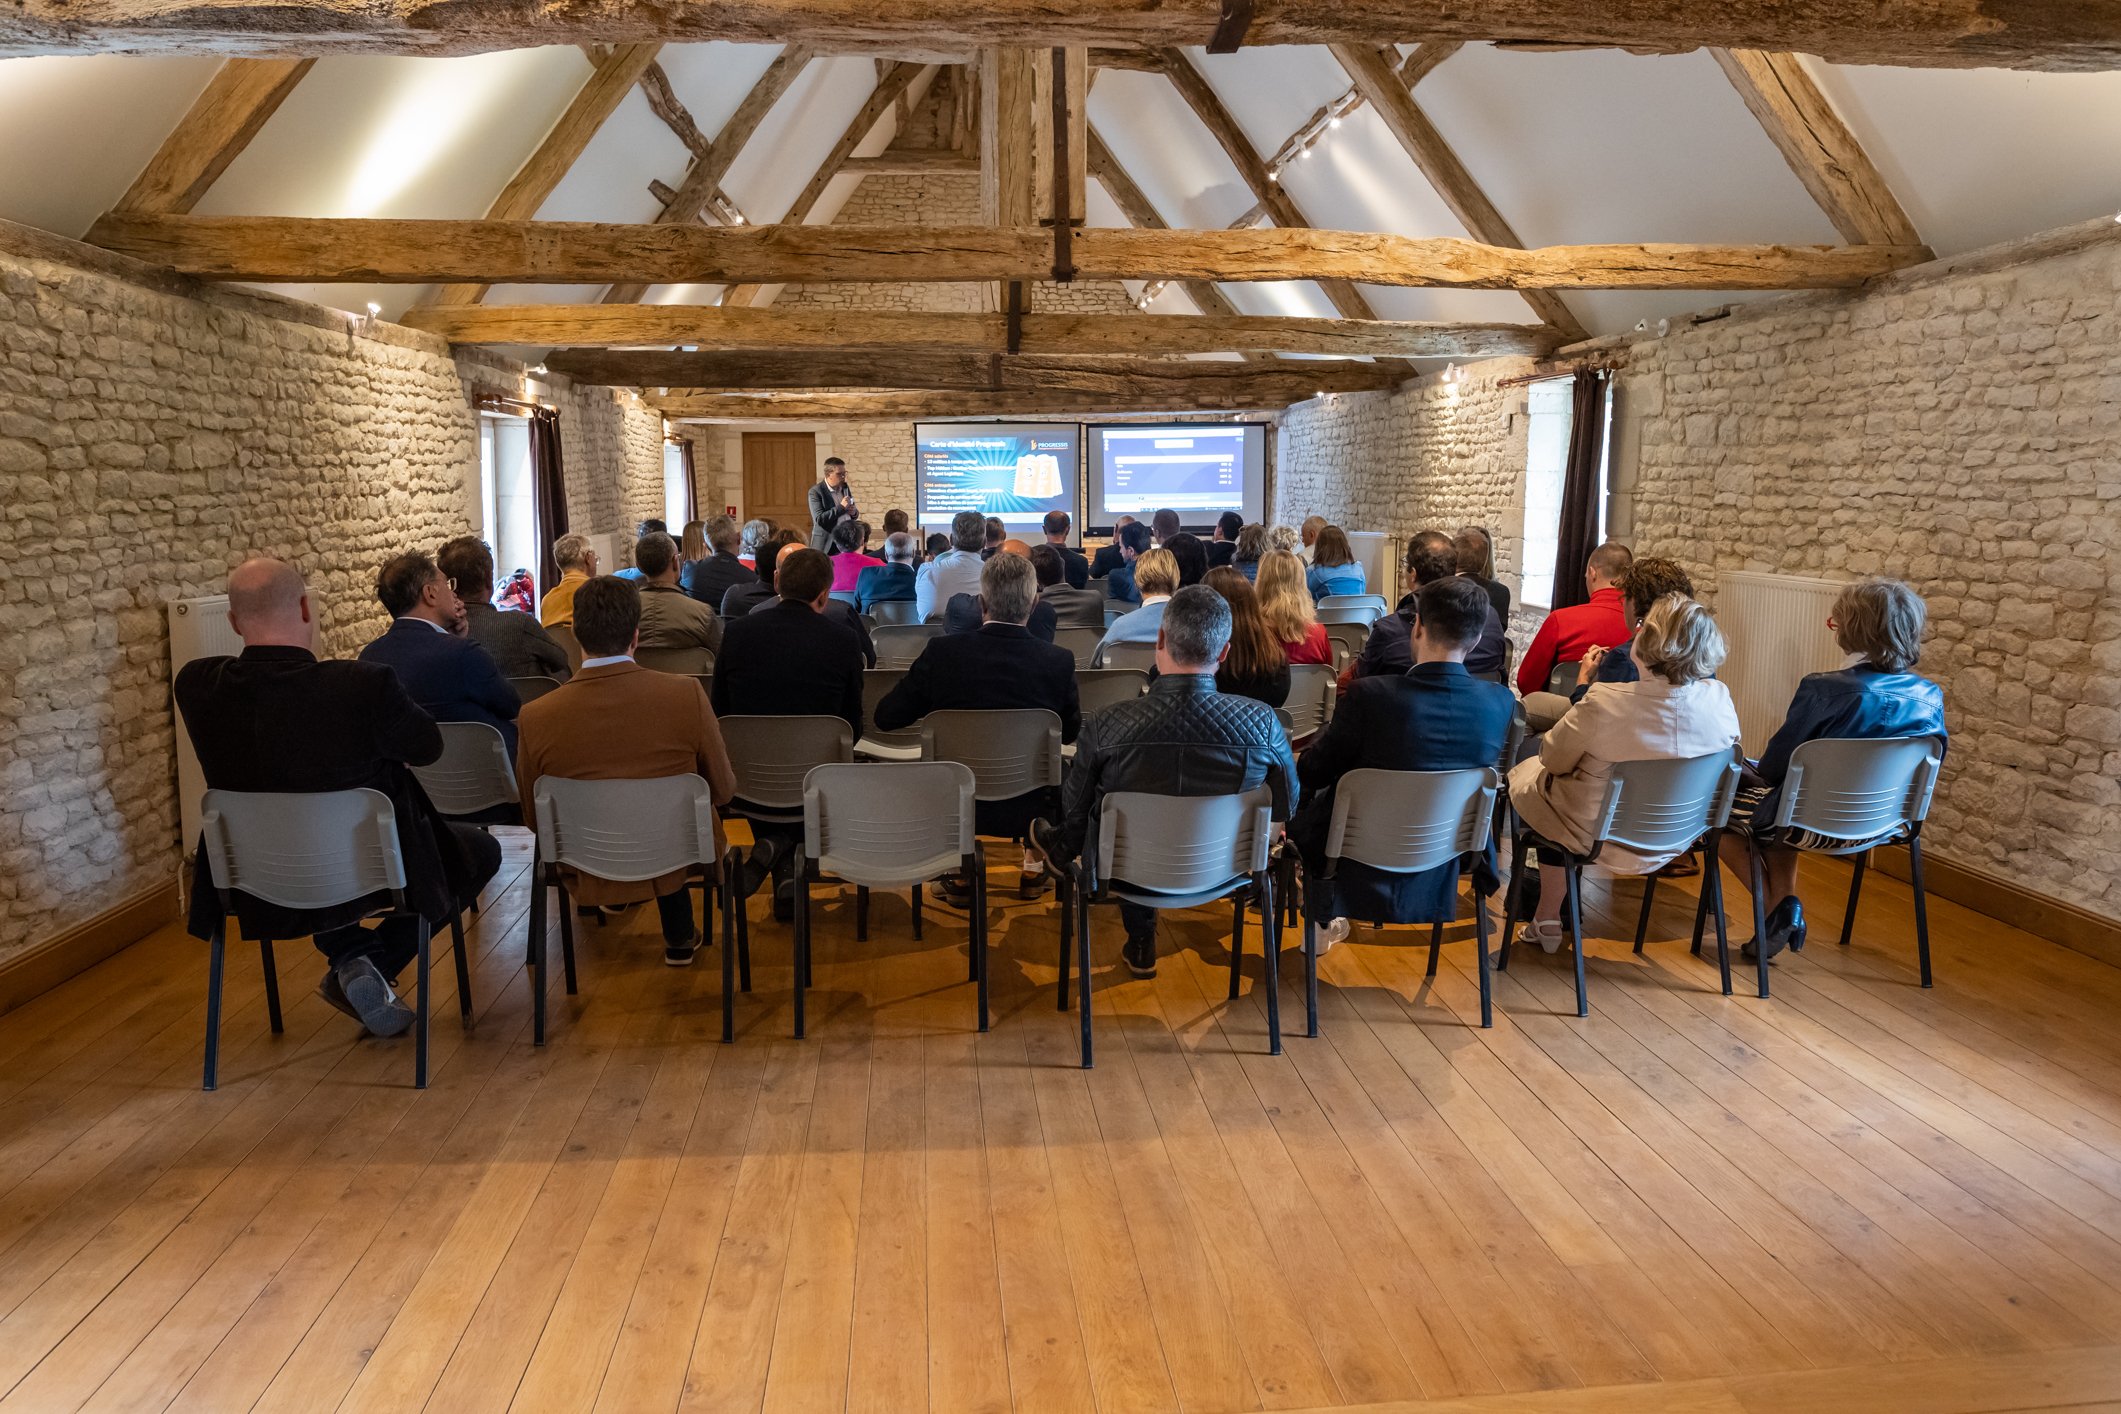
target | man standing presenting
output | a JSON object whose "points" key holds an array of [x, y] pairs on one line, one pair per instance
{"points": [[831, 501]]}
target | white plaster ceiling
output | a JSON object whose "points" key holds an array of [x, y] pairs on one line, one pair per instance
{"points": [[1581, 146]]}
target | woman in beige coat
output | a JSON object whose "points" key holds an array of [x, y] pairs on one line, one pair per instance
{"points": [[1675, 711]]}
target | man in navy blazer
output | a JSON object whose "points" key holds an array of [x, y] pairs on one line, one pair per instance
{"points": [[1434, 717], [1389, 652], [893, 580], [454, 678]]}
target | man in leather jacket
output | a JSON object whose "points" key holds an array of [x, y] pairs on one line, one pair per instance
{"points": [[1182, 738]]}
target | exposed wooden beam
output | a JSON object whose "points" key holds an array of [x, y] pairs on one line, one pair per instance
{"points": [[1379, 81], [1059, 131], [706, 173], [1423, 61], [598, 98], [971, 372], [1007, 89], [1930, 33], [906, 407], [331, 251], [914, 162], [723, 329], [238, 99], [1818, 146], [1146, 61]]}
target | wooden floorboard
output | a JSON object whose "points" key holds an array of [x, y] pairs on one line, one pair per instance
{"points": [[1857, 1194]]}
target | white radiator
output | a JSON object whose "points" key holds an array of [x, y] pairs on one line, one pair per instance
{"points": [[198, 628], [1776, 627]]}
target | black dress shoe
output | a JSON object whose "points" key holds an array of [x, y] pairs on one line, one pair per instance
{"points": [[954, 889], [764, 855], [1785, 928], [1140, 956]]}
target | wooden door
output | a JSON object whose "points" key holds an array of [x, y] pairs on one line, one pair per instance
{"points": [[779, 470]]}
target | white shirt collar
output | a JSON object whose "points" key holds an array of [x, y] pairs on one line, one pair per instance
{"points": [[415, 619], [1148, 599], [607, 660]]}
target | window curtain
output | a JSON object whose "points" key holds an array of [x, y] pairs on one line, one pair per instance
{"points": [[692, 486], [1580, 487], [549, 476]]}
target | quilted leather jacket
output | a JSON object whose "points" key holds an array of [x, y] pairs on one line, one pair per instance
{"points": [[1182, 738]]}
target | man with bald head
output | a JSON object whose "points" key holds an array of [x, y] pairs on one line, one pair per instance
{"points": [[276, 718]]}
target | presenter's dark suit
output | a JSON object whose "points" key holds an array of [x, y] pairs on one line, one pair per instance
{"points": [[788, 660], [962, 615], [1433, 717], [827, 512], [277, 719], [453, 678]]}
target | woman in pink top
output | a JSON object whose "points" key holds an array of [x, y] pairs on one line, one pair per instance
{"points": [[850, 539]]}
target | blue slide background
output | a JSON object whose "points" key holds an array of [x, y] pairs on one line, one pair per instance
{"points": [[966, 467]]}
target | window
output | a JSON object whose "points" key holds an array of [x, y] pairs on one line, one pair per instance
{"points": [[1550, 412], [676, 504], [508, 504]]}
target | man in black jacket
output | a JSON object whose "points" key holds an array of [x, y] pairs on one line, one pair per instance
{"points": [[1181, 738], [1109, 557], [274, 718], [1223, 548], [1075, 568], [1389, 652], [709, 579]]}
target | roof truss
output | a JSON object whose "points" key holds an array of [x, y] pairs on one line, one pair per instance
{"points": [[242, 94]]}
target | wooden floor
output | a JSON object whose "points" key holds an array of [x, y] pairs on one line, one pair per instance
{"points": [[1855, 1196]]}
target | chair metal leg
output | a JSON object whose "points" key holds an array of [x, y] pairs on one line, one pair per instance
{"points": [[1711, 867], [802, 940], [1712, 884], [1073, 903], [1082, 954], [1574, 900], [1487, 989], [1310, 976], [1237, 944], [420, 1010], [1510, 897], [861, 914], [1848, 920], [567, 934], [537, 955], [739, 907], [1922, 906], [1759, 917], [730, 913], [1649, 898], [272, 985], [980, 959], [214, 959], [1270, 944], [1435, 947], [463, 955], [916, 913]]}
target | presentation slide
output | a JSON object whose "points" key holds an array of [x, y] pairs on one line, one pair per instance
{"points": [[1200, 472], [1017, 471]]}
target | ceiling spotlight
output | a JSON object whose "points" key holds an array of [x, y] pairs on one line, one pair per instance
{"points": [[539, 370], [1274, 175], [1319, 394], [1334, 121], [1304, 152], [374, 309], [736, 218]]}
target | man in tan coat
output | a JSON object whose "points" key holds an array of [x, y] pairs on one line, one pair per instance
{"points": [[616, 720]]}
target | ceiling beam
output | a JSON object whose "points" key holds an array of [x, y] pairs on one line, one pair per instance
{"points": [[914, 162], [1377, 79], [972, 372], [910, 406], [724, 329], [238, 99], [1818, 146], [1928, 33], [598, 98]]}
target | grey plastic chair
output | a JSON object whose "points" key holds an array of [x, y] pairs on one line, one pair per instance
{"points": [[688, 662], [1332, 614], [901, 745], [1010, 753], [890, 612], [1099, 688], [1139, 656], [772, 757], [897, 645], [563, 634], [1405, 822], [893, 826], [1168, 851], [1310, 700], [1562, 680], [1865, 792], [626, 831], [473, 773], [529, 690], [1082, 642], [849, 598], [1372, 604], [1349, 639], [1656, 807], [310, 851]]}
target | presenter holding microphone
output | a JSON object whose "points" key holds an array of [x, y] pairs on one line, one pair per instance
{"points": [[831, 501]]}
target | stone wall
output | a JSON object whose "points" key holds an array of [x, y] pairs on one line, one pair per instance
{"points": [[148, 442]]}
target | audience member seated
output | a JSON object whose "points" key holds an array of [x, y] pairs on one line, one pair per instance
{"points": [[1182, 737], [757, 592], [1156, 574], [1255, 667], [1163, 525], [449, 675], [850, 555], [1334, 568], [1285, 603], [1649, 579], [996, 534], [896, 523], [648, 527], [1476, 561], [890, 582], [1434, 717], [1387, 652], [1108, 557], [756, 533], [997, 667], [617, 721], [1567, 634], [669, 617], [693, 549], [1073, 605], [1222, 546], [839, 611], [1675, 711], [1251, 547], [1075, 567], [1307, 535], [954, 571], [1287, 537], [936, 544], [1134, 541], [276, 719], [578, 565], [963, 614], [1192, 557], [518, 644], [1876, 693], [710, 580]]}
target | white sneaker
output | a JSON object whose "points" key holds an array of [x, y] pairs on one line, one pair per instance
{"points": [[1548, 933], [1332, 935]]}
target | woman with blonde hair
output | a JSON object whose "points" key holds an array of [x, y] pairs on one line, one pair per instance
{"points": [[1285, 537], [694, 545], [1290, 615], [1676, 710], [1334, 568]]}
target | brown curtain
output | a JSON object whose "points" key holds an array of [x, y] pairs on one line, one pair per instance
{"points": [[549, 476], [1578, 535], [692, 487]]}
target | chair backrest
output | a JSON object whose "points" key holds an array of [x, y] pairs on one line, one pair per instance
{"points": [[625, 830], [1310, 700], [1857, 789], [1114, 609], [529, 690], [773, 754], [1130, 655], [876, 686], [1408, 821], [1512, 740], [890, 612], [1374, 603], [687, 661], [1082, 642], [897, 645], [1662, 807], [886, 825], [1099, 688], [1347, 614], [1183, 844], [1349, 637], [1010, 753], [1562, 681], [563, 634], [313, 850], [848, 597], [473, 772]]}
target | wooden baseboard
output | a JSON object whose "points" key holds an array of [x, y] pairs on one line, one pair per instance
{"points": [[2078, 929], [42, 966]]}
